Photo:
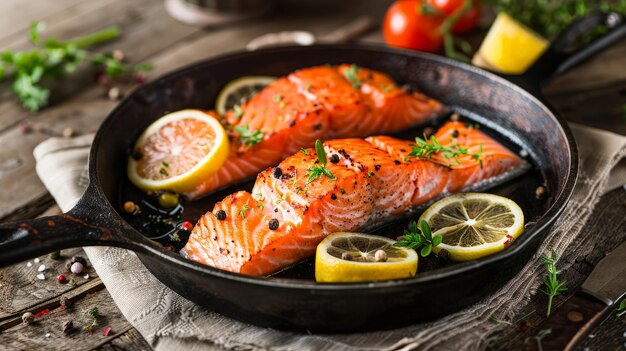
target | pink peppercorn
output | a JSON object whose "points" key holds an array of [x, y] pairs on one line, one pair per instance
{"points": [[77, 267], [61, 279], [186, 225]]}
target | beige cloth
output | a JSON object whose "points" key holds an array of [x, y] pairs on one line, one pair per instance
{"points": [[170, 322]]}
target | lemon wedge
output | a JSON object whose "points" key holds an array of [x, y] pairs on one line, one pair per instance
{"points": [[509, 47], [474, 225], [358, 257], [178, 152]]}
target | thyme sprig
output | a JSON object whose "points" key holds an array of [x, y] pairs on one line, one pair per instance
{"points": [[621, 309], [319, 169], [249, 137], [553, 286], [419, 238], [424, 148], [351, 75], [94, 316]]}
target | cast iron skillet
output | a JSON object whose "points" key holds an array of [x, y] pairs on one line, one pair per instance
{"points": [[517, 115]]}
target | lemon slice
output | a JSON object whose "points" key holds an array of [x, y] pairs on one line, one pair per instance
{"points": [[358, 257], [474, 225], [240, 91], [509, 46], [178, 152]]}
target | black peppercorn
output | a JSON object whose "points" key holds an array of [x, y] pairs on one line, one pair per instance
{"points": [[334, 158], [277, 173], [333, 196], [455, 133], [220, 215], [273, 224]]}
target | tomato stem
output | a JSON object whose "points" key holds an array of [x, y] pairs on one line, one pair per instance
{"points": [[446, 31]]}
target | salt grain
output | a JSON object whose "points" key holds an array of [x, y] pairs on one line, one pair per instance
{"points": [[86, 276], [41, 268], [29, 264], [41, 276], [36, 260], [47, 335]]}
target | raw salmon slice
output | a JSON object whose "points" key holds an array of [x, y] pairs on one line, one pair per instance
{"points": [[310, 104], [375, 181]]}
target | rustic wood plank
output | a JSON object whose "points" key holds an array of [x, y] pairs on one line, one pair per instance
{"points": [[23, 12], [128, 341], [47, 331]]}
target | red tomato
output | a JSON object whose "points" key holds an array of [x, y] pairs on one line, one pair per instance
{"points": [[405, 26], [466, 23]]}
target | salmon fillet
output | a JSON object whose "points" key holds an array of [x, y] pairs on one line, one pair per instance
{"points": [[310, 104], [376, 180]]}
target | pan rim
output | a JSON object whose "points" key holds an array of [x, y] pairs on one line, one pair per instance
{"points": [[561, 199]]}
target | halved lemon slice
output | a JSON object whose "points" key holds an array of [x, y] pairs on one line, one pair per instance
{"points": [[178, 151], [240, 91], [358, 257], [474, 225]]}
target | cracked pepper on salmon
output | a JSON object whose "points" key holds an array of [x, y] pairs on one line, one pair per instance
{"points": [[321, 102], [374, 181]]}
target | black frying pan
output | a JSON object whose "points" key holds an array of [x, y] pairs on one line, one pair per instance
{"points": [[291, 300]]}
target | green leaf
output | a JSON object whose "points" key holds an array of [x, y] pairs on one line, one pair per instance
{"points": [[425, 229], [238, 111], [426, 250], [437, 239], [351, 75], [303, 150], [34, 34], [321, 154]]}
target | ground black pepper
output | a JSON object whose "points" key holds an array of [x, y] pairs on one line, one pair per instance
{"points": [[334, 158]]}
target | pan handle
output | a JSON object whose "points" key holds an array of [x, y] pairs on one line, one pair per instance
{"points": [[566, 52], [87, 224]]}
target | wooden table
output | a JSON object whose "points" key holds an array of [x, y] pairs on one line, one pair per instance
{"points": [[594, 94]]}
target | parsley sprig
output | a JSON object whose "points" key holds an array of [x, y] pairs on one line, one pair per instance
{"points": [[249, 137], [425, 149], [419, 238], [319, 169], [351, 75], [52, 58], [553, 286]]}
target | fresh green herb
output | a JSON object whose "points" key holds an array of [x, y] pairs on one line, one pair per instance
{"points": [[94, 315], [320, 169], [52, 58], [294, 181], [303, 150], [261, 206], [249, 137], [175, 237], [553, 286], [238, 111], [282, 105], [425, 149], [388, 88], [549, 18], [370, 174], [419, 238], [165, 164], [621, 309], [164, 172], [351, 75], [243, 210], [280, 199], [259, 196], [308, 87], [278, 97]]}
